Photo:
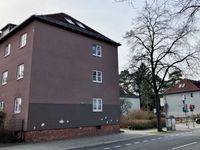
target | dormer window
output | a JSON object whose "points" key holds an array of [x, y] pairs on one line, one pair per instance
{"points": [[7, 29], [5, 32]]}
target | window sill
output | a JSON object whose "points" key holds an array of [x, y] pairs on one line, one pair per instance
{"points": [[17, 113], [97, 55], [97, 111], [22, 46], [97, 81], [4, 83], [6, 55], [20, 78]]}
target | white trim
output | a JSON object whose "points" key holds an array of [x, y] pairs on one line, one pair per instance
{"points": [[95, 102], [4, 78], [97, 49], [97, 77], [20, 71], [17, 106], [23, 40], [1, 106], [7, 50]]}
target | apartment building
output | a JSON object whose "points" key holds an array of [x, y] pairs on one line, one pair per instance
{"points": [[59, 77]]}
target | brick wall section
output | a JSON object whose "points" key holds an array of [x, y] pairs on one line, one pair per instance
{"points": [[46, 135]]}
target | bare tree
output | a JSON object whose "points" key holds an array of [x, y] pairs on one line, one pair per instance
{"points": [[124, 106], [161, 43], [192, 6]]}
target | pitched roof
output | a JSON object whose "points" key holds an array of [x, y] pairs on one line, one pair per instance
{"points": [[126, 93], [185, 85], [8, 25], [66, 22]]}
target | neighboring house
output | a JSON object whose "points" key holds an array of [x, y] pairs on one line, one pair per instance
{"points": [[186, 90], [131, 101], [59, 77]]}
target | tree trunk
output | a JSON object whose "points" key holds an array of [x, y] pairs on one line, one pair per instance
{"points": [[158, 112]]}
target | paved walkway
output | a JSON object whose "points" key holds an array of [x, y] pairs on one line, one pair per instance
{"points": [[89, 141]]}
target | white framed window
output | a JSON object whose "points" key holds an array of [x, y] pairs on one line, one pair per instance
{"points": [[7, 50], [17, 107], [1, 106], [23, 40], [97, 76], [20, 71], [4, 78], [97, 50], [97, 105]]}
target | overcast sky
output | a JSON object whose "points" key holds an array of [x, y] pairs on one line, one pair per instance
{"points": [[106, 16]]}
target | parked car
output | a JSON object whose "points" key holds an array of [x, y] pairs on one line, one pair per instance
{"points": [[198, 121]]}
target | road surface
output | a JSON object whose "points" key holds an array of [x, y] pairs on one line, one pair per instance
{"points": [[189, 140]]}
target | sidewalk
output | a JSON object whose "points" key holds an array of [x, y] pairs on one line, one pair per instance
{"points": [[91, 141]]}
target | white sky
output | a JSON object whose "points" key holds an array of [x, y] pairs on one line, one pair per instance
{"points": [[106, 16]]}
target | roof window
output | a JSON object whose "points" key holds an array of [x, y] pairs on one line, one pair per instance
{"points": [[80, 25], [181, 85], [69, 21]]}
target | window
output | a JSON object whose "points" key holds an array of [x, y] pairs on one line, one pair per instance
{"points": [[1, 106], [18, 103], [7, 50], [191, 94], [69, 21], [97, 50], [23, 40], [80, 25], [20, 71], [4, 78], [97, 76], [97, 105]]}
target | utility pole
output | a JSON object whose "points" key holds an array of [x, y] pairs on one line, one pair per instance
{"points": [[185, 110], [192, 107]]}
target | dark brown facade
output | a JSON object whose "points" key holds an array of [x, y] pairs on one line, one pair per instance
{"points": [[57, 88]]}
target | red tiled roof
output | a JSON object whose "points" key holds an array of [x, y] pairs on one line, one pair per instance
{"points": [[185, 85]]}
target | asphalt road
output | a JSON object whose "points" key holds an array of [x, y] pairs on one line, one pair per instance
{"points": [[189, 140]]}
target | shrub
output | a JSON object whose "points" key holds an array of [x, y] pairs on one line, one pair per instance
{"points": [[139, 120], [140, 115], [7, 136]]}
